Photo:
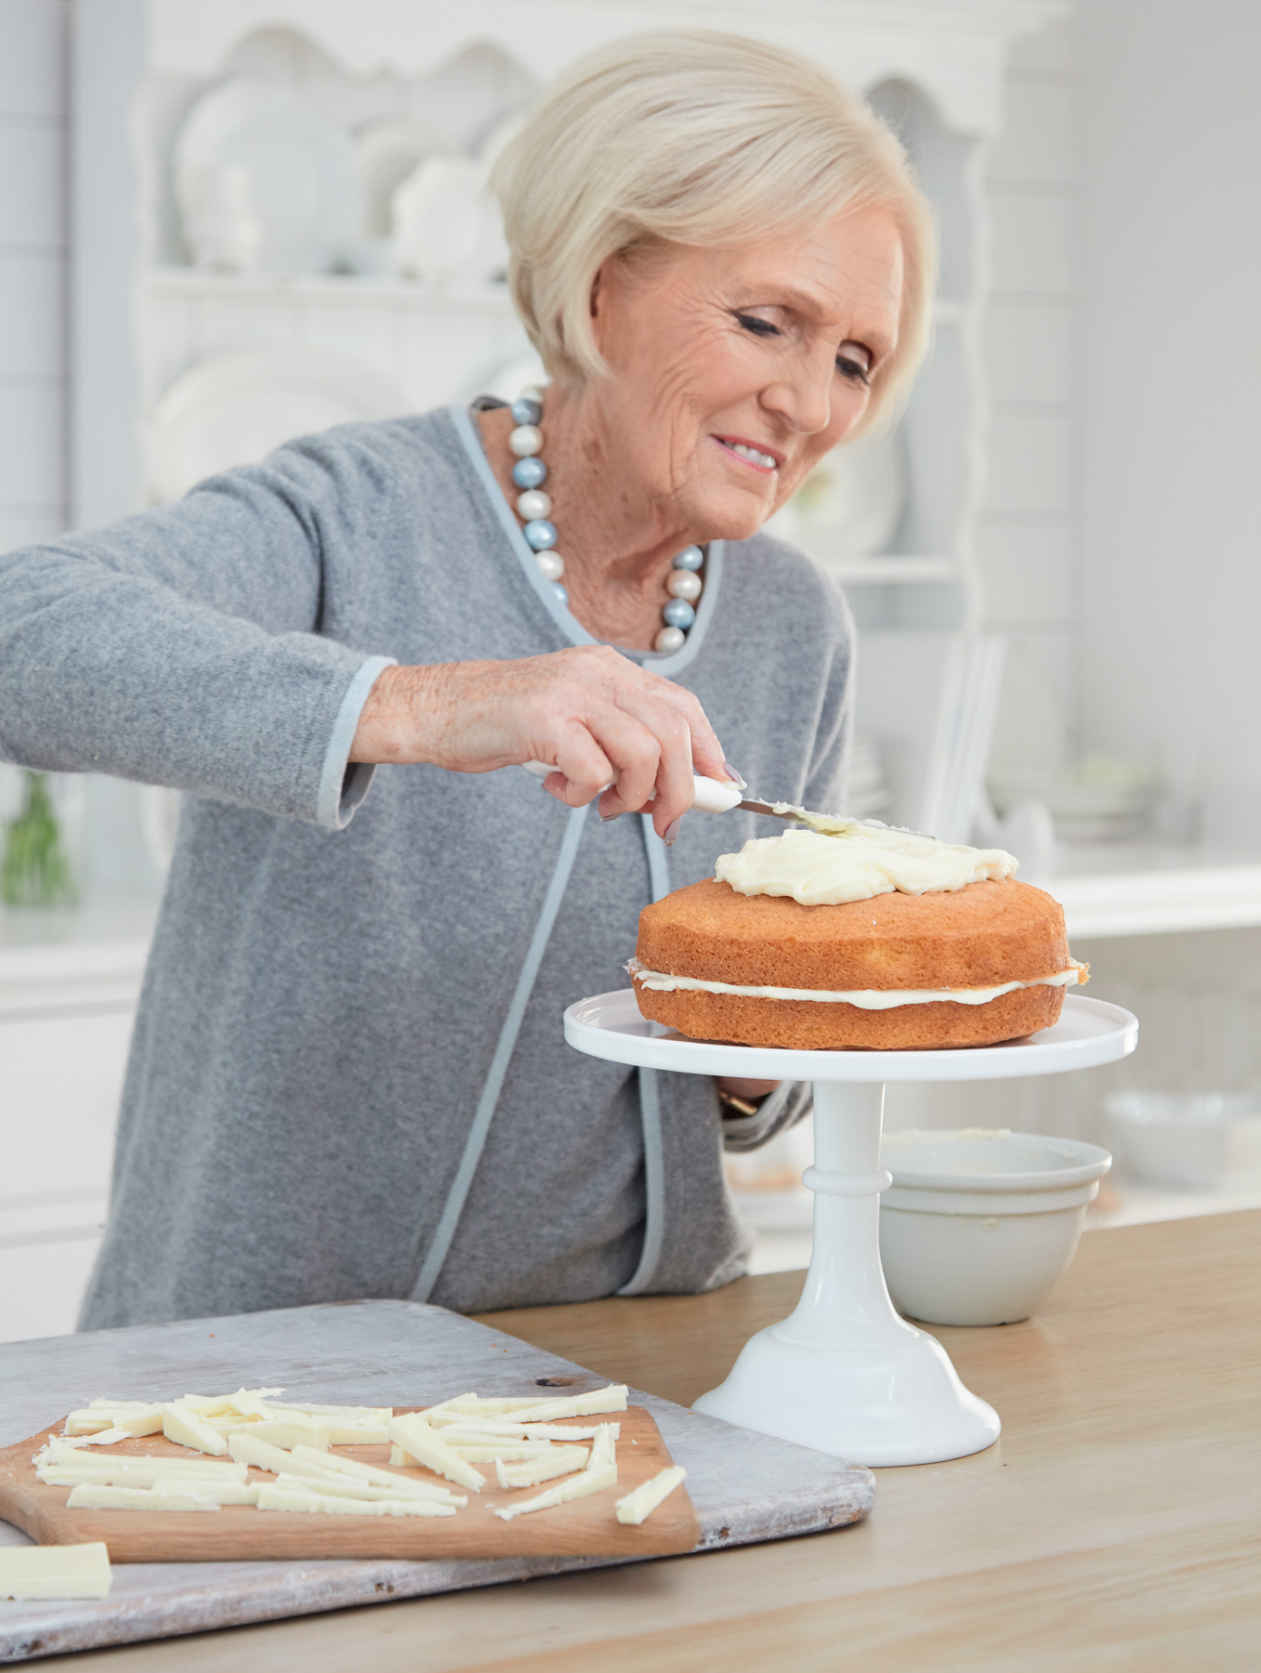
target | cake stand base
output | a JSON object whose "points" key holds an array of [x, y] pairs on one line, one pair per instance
{"points": [[903, 1405], [844, 1373]]}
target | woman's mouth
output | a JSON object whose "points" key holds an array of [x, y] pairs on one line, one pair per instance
{"points": [[752, 457]]}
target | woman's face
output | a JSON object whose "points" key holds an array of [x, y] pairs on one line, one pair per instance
{"points": [[770, 344]]}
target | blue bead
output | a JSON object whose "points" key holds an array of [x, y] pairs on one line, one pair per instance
{"points": [[691, 557], [525, 411], [529, 473], [560, 592], [540, 533], [679, 613]]}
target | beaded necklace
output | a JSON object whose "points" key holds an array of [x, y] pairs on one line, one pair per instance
{"points": [[534, 509]]}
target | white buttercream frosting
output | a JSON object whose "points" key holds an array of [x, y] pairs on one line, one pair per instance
{"points": [[856, 860], [867, 999]]}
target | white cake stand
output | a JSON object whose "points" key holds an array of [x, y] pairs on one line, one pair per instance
{"points": [[844, 1373]]}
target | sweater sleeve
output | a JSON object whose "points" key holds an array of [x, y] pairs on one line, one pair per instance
{"points": [[182, 646], [825, 791]]}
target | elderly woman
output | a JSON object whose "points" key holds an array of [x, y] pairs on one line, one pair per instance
{"points": [[348, 1076]]}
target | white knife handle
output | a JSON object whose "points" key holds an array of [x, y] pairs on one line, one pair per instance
{"points": [[710, 795]]}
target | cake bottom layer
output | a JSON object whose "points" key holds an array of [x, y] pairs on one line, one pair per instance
{"points": [[806, 1025]]}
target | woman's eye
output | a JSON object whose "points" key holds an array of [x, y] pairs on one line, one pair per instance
{"points": [[854, 371]]}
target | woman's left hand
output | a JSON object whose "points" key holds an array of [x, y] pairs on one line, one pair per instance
{"points": [[740, 1088]]}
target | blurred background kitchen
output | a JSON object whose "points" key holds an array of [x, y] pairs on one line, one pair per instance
{"points": [[220, 228]]}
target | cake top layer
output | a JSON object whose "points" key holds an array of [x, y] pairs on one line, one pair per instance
{"points": [[857, 860]]}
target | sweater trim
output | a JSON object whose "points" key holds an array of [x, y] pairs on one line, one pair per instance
{"points": [[343, 785], [475, 1143], [650, 1106]]}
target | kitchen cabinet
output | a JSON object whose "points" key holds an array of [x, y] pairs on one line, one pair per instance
{"points": [[61, 1072]]}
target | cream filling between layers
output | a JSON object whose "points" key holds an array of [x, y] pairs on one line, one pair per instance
{"points": [[867, 999]]}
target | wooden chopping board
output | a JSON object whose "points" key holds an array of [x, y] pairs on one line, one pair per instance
{"points": [[243, 1533], [744, 1486]]}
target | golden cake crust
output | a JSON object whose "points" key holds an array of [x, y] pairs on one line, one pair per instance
{"points": [[982, 935]]}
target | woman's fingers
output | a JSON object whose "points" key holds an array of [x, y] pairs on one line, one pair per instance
{"points": [[582, 767], [674, 787], [635, 751], [706, 751]]}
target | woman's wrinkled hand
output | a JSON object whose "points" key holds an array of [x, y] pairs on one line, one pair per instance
{"points": [[610, 728]]}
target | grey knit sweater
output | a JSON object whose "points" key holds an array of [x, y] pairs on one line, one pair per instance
{"points": [[342, 984]]}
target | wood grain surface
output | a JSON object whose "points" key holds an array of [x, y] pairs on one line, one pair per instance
{"points": [[243, 1533], [1112, 1528]]}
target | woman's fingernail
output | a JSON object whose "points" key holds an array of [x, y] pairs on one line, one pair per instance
{"points": [[671, 831], [733, 774]]}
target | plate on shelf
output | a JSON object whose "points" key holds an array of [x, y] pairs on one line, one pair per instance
{"points": [[236, 408], [851, 503], [298, 167]]}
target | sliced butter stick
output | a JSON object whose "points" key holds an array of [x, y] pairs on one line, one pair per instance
{"points": [[486, 1452], [137, 1472], [339, 1430], [401, 1486], [644, 1499], [611, 1398], [604, 1446], [486, 1428], [247, 1448], [187, 1428], [55, 1571], [344, 1487], [271, 1496], [557, 1460], [485, 1405], [116, 1421], [275, 1431], [577, 1486], [98, 1495], [422, 1444]]}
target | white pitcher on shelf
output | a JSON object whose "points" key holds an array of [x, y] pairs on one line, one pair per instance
{"points": [[437, 215], [221, 225]]}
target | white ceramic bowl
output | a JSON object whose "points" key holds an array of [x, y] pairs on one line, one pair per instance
{"points": [[978, 1224], [1176, 1138]]}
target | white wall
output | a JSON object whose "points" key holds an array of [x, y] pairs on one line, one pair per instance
{"points": [[1027, 537], [1169, 240], [33, 266]]}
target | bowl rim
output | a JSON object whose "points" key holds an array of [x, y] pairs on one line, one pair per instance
{"points": [[1090, 1161]]}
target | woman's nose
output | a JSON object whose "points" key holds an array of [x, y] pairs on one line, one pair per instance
{"points": [[804, 399]]}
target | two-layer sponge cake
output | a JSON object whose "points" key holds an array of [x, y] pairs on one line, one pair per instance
{"points": [[869, 937]]}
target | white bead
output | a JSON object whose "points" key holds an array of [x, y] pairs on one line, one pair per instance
{"points": [[669, 639], [532, 392], [684, 583], [525, 440], [533, 503], [551, 563]]}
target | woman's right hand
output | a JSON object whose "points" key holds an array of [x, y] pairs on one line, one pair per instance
{"points": [[609, 727]]}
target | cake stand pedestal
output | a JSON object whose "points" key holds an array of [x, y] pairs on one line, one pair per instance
{"points": [[843, 1372]]}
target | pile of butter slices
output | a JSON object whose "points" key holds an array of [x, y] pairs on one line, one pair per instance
{"points": [[521, 1439]]}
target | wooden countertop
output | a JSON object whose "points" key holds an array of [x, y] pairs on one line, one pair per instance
{"points": [[1113, 1525]]}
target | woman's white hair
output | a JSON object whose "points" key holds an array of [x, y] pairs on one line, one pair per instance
{"points": [[695, 136]]}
